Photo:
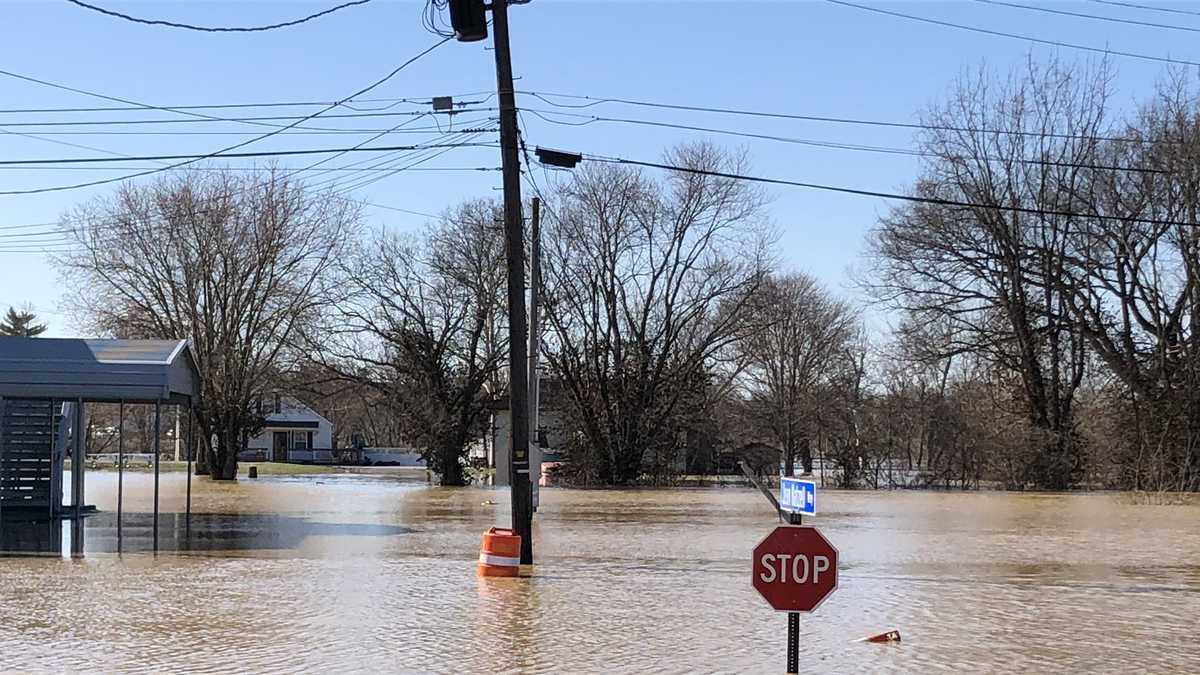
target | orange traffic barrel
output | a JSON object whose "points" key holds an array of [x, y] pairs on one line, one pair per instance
{"points": [[500, 553]]}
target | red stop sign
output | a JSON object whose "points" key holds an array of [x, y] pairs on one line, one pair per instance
{"points": [[795, 569]]}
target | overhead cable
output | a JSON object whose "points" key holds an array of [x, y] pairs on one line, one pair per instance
{"points": [[831, 144], [1152, 8], [1096, 17], [873, 193], [209, 118], [392, 102], [217, 29], [224, 151], [919, 126], [1014, 36], [235, 155]]}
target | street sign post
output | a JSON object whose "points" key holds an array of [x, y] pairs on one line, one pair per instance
{"points": [[798, 496], [794, 570]]}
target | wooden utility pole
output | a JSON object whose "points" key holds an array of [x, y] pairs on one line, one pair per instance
{"points": [[518, 385], [535, 338]]}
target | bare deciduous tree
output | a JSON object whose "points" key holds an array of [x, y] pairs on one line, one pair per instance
{"points": [[645, 283], [1134, 287], [233, 262], [1018, 156], [423, 326], [804, 329]]}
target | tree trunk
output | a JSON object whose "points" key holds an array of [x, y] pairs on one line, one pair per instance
{"points": [[806, 458], [203, 450], [452, 470], [224, 461]]}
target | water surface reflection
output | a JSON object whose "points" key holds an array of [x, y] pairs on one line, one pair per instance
{"points": [[374, 574]]}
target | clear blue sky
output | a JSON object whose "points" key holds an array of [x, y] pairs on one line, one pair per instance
{"points": [[802, 57]]}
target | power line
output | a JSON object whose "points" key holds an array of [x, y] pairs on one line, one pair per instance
{"points": [[1014, 36], [188, 110], [295, 131], [39, 137], [27, 226], [1149, 7], [1082, 15], [423, 148], [236, 155], [225, 150], [43, 233], [394, 129], [289, 172], [217, 29], [872, 193], [232, 168], [419, 100], [105, 97], [346, 186], [594, 101], [252, 119], [64, 238], [41, 248], [830, 144]]}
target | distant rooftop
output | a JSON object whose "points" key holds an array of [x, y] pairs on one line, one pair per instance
{"points": [[97, 370]]}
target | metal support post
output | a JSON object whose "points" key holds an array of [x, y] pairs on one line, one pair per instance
{"points": [[191, 447], [77, 460], [157, 433], [793, 648]]}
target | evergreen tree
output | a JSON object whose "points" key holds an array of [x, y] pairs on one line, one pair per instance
{"points": [[21, 324]]}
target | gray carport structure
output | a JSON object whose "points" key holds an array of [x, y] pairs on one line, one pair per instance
{"points": [[36, 373]]}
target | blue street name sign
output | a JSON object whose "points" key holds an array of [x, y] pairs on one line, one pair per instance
{"points": [[798, 496]]}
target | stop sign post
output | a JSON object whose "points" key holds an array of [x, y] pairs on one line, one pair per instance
{"points": [[795, 569]]}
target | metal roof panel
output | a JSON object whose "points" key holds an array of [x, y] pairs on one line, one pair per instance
{"points": [[66, 368]]}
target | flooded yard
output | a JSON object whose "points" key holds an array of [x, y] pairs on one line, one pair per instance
{"points": [[343, 573]]}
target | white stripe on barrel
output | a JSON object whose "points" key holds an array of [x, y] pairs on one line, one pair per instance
{"points": [[503, 561]]}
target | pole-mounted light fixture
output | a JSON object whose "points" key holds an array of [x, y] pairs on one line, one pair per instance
{"points": [[565, 160]]}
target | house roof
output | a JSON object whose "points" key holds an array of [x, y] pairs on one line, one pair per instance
{"points": [[293, 412], [98, 370]]}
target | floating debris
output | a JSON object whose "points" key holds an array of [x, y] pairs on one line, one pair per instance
{"points": [[890, 636]]}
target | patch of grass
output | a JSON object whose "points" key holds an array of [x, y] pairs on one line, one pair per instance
{"points": [[281, 469]]}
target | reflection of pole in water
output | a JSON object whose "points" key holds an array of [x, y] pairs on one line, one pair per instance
{"points": [[191, 447], [76, 537], [506, 618], [32, 537]]}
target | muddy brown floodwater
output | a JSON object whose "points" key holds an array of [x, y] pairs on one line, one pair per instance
{"points": [[346, 573]]}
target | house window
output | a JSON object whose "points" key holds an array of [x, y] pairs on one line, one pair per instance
{"points": [[301, 440]]}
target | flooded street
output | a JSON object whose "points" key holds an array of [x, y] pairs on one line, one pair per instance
{"points": [[369, 573]]}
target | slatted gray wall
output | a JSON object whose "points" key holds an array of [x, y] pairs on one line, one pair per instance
{"points": [[27, 429]]}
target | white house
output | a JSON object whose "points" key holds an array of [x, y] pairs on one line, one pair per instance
{"points": [[293, 433], [545, 445]]}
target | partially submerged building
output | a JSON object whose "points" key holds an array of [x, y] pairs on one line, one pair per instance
{"points": [[46, 385]]}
